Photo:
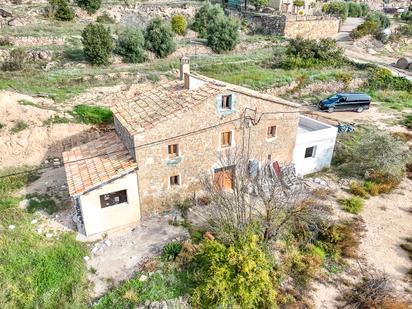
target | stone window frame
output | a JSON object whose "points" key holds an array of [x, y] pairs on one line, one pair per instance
{"points": [[232, 139], [269, 137], [175, 154], [179, 181]]}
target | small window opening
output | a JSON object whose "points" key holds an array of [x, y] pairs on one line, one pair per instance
{"points": [[173, 150], [175, 180], [272, 132], [114, 198], [310, 152], [226, 140], [227, 102]]}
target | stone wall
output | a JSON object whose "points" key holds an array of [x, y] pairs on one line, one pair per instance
{"points": [[309, 27], [199, 151], [312, 28]]}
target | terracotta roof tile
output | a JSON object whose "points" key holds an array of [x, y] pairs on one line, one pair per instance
{"points": [[160, 103], [89, 165]]}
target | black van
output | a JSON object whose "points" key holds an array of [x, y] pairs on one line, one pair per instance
{"points": [[346, 101]]}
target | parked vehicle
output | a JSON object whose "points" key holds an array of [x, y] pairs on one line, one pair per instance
{"points": [[346, 102]]}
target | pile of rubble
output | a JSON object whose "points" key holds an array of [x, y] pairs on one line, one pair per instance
{"points": [[176, 303]]}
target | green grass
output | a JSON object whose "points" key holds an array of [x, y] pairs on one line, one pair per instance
{"points": [[166, 283], [92, 114], [13, 183], [353, 205], [41, 202], [19, 126], [2, 125], [55, 120], [37, 272], [407, 121], [394, 99]]}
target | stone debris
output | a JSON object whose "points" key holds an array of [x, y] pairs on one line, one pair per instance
{"points": [[86, 258], [143, 278], [34, 221], [12, 227], [49, 235], [176, 303]]}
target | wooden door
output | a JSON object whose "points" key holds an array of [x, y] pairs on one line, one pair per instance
{"points": [[223, 178]]}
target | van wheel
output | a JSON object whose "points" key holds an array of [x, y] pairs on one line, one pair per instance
{"points": [[360, 109], [331, 109]]}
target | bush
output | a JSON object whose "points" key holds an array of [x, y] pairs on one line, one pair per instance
{"points": [[337, 8], [357, 9], [407, 15], [372, 154], [405, 30], [159, 38], [374, 24], [130, 45], [353, 205], [179, 24], [16, 60], [105, 19], [207, 14], [382, 78], [238, 275], [41, 202], [97, 44], [407, 121], [5, 41], [92, 114], [356, 188], [90, 6], [259, 3], [223, 34], [171, 250], [60, 10], [306, 53]]}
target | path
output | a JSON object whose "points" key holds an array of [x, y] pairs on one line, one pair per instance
{"points": [[348, 25]]}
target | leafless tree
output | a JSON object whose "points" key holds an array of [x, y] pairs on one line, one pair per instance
{"points": [[260, 196]]}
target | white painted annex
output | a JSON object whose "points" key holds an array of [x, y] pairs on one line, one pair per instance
{"points": [[314, 147]]}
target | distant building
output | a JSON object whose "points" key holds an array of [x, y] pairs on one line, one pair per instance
{"points": [[168, 136]]}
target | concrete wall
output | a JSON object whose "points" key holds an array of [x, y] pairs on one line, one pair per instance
{"points": [[312, 29], [98, 220], [200, 151], [323, 137]]}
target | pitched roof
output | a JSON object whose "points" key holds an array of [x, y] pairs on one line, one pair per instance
{"points": [[161, 103], [92, 164]]}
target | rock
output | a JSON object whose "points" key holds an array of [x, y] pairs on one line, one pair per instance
{"points": [[44, 55], [24, 203], [12, 227], [143, 278], [86, 258], [39, 230], [403, 62], [16, 22], [49, 235], [95, 249], [107, 242], [34, 221], [5, 14]]}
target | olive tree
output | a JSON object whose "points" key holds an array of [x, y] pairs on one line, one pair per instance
{"points": [[97, 44], [223, 34], [130, 45], [159, 38]]}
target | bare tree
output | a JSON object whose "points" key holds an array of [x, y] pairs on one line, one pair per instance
{"points": [[261, 195]]}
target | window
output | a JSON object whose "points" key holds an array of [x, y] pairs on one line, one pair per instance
{"points": [[310, 152], [226, 139], [114, 198], [173, 150], [272, 132], [227, 102], [174, 180]]}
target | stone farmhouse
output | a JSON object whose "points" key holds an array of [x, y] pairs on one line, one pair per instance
{"points": [[166, 137]]}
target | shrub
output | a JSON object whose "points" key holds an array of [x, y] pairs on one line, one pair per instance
{"points": [[41, 202], [306, 53], [259, 3], [90, 6], [337, 8], [171, 250], [16, 61], [205, 16], [179, 24], [222, 34], [159, 38], [60, 10], [407, 15], [372, 154], [298, 3], [353, 205], [92, 114], [97, 44], [382, 78], [356, 188], [5, 41], [357, 9], [19, 126], [374, 24], [105, 19], [405, 30], [238, 275], [130, 45], [407, 121]]}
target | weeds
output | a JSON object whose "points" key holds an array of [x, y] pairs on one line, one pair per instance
{"points": [[407, 121], [353, 205], [13, 183], [171, 250], [18, 127], [92, 114], [56, 119], [41, 202]]}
